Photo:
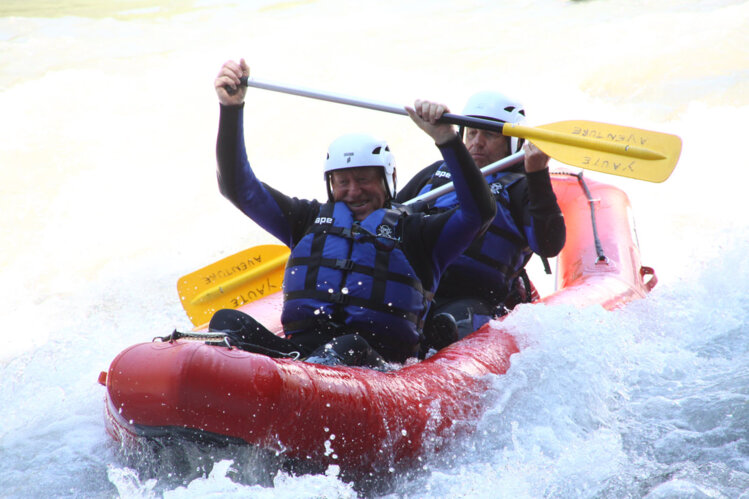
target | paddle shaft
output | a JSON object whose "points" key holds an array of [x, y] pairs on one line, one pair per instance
{"points": [[454, 119], [510, 129]]}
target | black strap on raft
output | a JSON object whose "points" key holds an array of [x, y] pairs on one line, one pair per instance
{"points": [[224, 339], [591, 203], [547, 267], [269, 352], [528, 297], [210, 338]]}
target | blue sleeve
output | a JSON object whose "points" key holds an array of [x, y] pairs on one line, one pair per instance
{"points": [[280, 215], [475, 211]]}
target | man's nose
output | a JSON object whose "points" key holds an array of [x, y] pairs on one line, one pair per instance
{"points": [[477, 140], [354, 188]]}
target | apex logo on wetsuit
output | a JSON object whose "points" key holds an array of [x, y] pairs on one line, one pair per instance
{"points": [[442, 173], [323, 220], [384, 231], [496, 187]]}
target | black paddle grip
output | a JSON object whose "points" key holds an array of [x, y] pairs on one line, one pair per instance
{"points": [[242, 82]]}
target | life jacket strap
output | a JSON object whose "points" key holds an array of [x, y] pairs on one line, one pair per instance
{"points": [[346, 299], [350, 266]]}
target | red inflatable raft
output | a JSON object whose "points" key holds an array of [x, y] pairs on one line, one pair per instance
{"points": [[358, 418]]}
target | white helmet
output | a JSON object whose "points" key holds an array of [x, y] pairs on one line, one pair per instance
{"points": [[495, 106], [356, 150]]}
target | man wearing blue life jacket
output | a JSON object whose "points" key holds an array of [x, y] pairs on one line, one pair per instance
{"points": [[362, 270], [489, 277]]}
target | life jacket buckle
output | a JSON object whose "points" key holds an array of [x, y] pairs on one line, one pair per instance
{"points": [[344, 264], [339, 298]]}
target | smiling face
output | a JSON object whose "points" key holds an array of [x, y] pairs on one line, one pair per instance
{"points": [[485, 146], [362, 189]]}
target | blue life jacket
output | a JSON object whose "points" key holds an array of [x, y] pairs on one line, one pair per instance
{"points": [[356, 275], [487, 268]]}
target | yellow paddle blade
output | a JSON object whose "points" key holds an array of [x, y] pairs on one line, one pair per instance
{"points": [[618, 150], [233, 281]]}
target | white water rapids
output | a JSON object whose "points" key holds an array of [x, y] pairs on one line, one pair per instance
{"points": [[108, 121]]}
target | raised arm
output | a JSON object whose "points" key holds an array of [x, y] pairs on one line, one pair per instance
{"points": [[277, 213], [477, 207]]}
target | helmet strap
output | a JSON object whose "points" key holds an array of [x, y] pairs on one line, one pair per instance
{"points": [[327, 186]]}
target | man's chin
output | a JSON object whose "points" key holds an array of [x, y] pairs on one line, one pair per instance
{"points": [[480, 161], [360, 213]]}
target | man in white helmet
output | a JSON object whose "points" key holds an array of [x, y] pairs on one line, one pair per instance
{"points": [[362, 271], [489, 277]]}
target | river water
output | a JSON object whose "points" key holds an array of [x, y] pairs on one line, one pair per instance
{"points": [[108, 194]]}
